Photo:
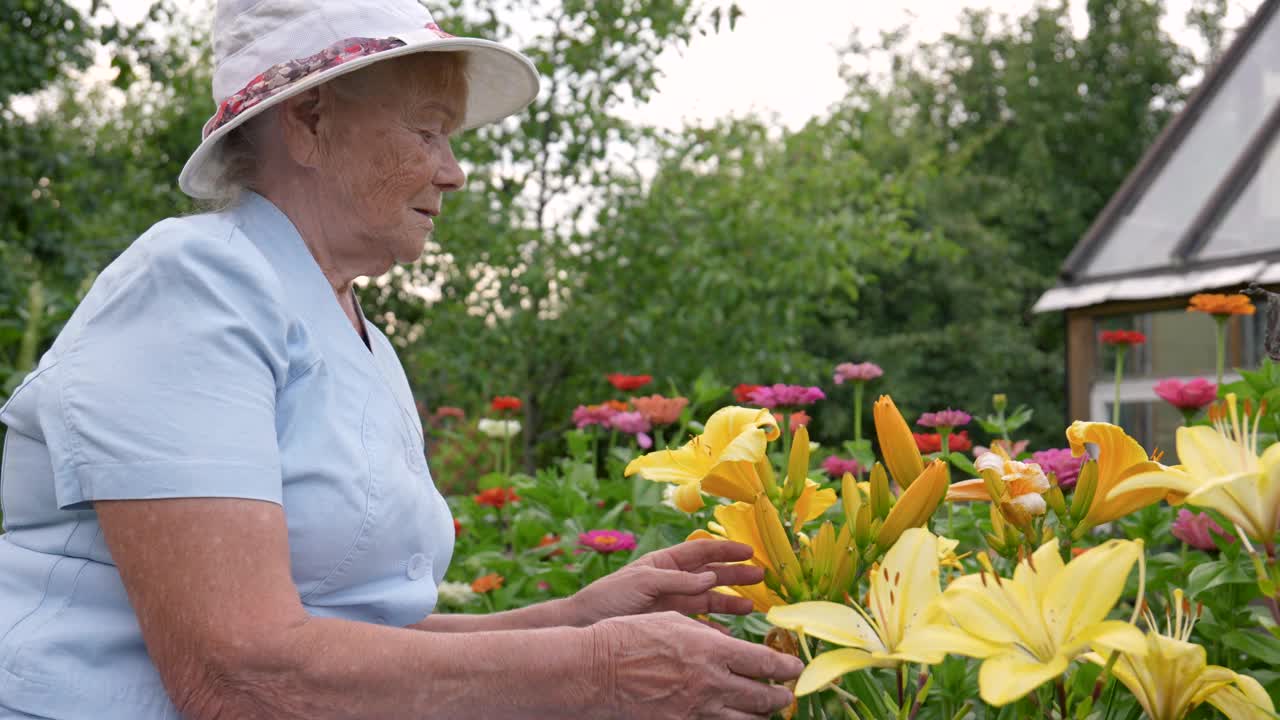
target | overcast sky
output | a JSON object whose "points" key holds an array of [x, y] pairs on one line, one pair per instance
{"points": [[782, 56]]}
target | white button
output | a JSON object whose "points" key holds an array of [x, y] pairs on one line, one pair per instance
{"points": [[418, 565]]}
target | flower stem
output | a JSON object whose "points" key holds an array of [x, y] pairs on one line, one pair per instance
{"points": [[1121, 351], [1220, 323], [857, 411], [1062, 697]]}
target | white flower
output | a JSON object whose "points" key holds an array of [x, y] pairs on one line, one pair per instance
{"points": [[500, 429], [455, 594]]}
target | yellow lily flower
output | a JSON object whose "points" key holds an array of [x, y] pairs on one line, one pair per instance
{"points": [[736, 522], [916, 504], [896, 443], [1173, 678], [1119, 457], [1221, 469], [1028, 629], [813, 501], [721, 461], [902, 590]]}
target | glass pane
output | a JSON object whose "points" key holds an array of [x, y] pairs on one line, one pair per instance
{"points": [[1252, 224], [1147, 235], [1153, 424], [1180, 344]]}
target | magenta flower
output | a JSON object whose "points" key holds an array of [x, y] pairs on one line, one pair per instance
{"points": [[1060, 462], [1197, 530], [836, 467], [945, 419], [586, 415], [632, 423], [607, 541], [1193, 395], [861, 372], [780, 395]]}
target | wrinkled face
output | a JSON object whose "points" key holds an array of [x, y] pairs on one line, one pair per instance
{"points": [[388, 158]]}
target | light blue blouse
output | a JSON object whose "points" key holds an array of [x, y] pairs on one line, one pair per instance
{"points": [[210, 360]]}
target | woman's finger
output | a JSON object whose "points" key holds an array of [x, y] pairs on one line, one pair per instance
{"points": [[755, 698], [694, 554]]}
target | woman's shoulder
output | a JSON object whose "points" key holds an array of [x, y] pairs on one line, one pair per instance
{"points": [[205, 248]]}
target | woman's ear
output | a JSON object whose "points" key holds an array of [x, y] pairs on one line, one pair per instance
{"points": [[304, 120]]}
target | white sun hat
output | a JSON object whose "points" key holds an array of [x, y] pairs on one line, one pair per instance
{"points": [[268, 50]]}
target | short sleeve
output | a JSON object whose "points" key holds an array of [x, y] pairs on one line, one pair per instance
{"points": [[168, 387]]}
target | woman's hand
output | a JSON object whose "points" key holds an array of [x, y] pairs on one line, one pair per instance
{"points": [[668, 666], [678, 579]]}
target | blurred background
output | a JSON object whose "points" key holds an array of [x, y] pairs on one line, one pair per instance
{"points": [[742, 192]]}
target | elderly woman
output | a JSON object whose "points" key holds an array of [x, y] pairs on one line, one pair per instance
{"points": [[215, 493]]}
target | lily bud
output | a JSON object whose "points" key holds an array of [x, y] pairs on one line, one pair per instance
{"points": [[824, 558], [845, 567], [778, 547], [881, 498], [850, 498], [1055, 498], [764, 470], [1086, 487], [863, 528], [994, 481], [1018, 517], [797, 465], [1000, 401]]}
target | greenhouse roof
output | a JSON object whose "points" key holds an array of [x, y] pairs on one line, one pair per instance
{"points": [[1201, 210]]}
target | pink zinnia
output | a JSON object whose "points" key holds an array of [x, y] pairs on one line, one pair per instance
{"points": [[1061, 463], [1192, 395], [772, 396], [945, 419], [836, 467], [631, 423], [607, 541], [586, 415], [861, 372], [1197, 530]]}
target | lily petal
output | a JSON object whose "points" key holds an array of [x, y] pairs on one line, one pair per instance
{"points": [[1103, 570], [1246, 700], [828, 621], [974, 490], [929, 639], [1010, 676], [830, 665], [688, 497]]}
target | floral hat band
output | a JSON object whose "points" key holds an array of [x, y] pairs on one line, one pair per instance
{"points": [[279, 77], [269, 50]]}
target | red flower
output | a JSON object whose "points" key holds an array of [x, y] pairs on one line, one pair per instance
{"points": [[457, 528], [742, 393], [1122, 337], [928, 442], [548, 540], [627, 383], [505, 402], [799, 418], [932, 442], [497, 497]]}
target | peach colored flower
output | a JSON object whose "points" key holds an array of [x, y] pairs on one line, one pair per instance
{"points": [[659, 410]]}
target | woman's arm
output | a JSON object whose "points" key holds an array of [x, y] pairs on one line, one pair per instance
{"points": [[209, 580], [561, 612]]}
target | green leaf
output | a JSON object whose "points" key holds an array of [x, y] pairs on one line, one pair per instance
{"points": [[962, 463], [1256, 645], [1212, 574]]}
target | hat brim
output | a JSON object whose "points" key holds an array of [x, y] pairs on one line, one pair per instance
{"points": [[501, 83]]}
